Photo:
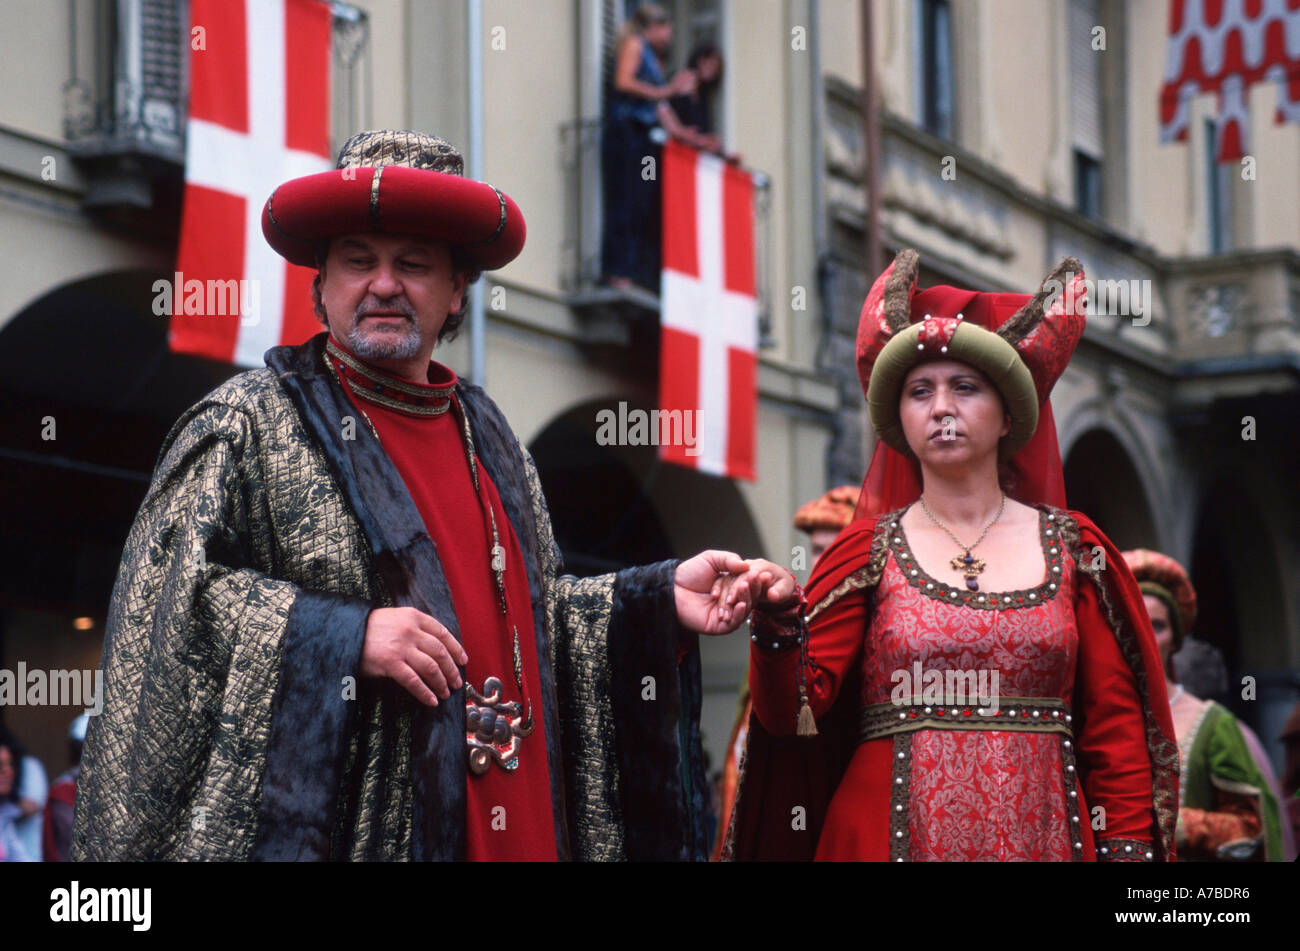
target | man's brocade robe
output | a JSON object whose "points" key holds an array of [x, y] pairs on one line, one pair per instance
{"points": [[236, 725]]}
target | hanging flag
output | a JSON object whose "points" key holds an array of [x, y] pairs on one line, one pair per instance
{"points": [[708, 374], [1225, 47], [259, 115]]}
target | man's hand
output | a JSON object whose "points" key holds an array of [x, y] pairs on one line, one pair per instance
{"points": [[412, 648], [715, 590]]}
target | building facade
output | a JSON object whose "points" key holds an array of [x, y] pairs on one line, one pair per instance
{"points": [[1007, 142]]}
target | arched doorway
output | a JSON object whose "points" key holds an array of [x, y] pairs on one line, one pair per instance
{"points": [[1102, 482], [614, 506], [618, 505], [88, 365], [1241, 606]]}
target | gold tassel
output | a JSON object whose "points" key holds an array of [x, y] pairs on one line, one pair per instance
{"points": [[807, 722]]}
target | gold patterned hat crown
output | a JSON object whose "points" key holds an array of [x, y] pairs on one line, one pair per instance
{"points": [[385, 147]]}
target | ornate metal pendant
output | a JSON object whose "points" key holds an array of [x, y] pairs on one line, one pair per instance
{"points": [[493, 727], [970, 566]]}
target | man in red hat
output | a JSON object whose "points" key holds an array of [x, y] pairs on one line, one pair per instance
{"points": [[341, 630]]}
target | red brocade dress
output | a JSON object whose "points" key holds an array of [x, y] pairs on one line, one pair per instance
{"points": [[1003, 763]]}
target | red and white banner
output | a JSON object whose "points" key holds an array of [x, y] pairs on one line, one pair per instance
{"points": [[1227, 46], [259, 115], [709, 313]]}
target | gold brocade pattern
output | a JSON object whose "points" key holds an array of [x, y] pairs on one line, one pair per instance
{"points": [[174, 765], [1163, 751]]}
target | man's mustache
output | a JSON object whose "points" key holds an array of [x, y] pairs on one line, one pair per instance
{"points": [[393, 306]]}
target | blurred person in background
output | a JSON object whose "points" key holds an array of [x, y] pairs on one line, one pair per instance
{"points": [[692, 112], [1199, 666], [33, 787], [11, 810], [1228, 809], [56, 839], [1290, 737]]}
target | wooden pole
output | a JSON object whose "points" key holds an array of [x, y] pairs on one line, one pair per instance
{"points": [[871, 143]]}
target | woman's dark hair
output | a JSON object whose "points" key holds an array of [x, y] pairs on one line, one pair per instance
{"points": [[16, 750], [460, 264], [698, 55]]}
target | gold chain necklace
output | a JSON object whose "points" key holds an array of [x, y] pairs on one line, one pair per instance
{"points": [[498, 552], [966, 563]]}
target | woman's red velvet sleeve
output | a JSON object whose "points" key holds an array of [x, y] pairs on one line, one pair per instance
{"points": [[835, 642], [1114, 761]]}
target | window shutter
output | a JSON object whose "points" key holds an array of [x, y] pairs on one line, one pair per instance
{"points": [[1085, 79], [161, 74]]}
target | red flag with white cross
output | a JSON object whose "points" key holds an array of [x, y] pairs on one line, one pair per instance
{"points": [[709, 315], [259, 115]]}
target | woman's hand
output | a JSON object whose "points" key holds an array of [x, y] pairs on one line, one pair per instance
{"points": [[715, 590], [683, 83], [709, 601], [772, 585]]}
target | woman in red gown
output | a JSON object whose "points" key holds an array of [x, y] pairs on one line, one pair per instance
{"points": [[974, 659]]}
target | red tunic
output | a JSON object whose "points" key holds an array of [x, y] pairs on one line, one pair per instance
{"points": [[987, 793], [508, 813]]}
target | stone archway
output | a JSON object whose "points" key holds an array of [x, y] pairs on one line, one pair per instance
{"points": [[1241, 605], [1102, 482], [614, 506], [619, 505], [88, 363]]}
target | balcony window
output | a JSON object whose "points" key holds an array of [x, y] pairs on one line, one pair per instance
{"points": [[1218, 190], [934, 59]]}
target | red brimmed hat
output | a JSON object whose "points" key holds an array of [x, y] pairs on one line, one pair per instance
{"points": [[394, 183]]}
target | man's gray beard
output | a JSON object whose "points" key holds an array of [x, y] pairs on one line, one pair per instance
{"points": [[386, 345]]}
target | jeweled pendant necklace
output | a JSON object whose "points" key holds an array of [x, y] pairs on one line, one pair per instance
{"points": [[966, 563], [496, 553]]}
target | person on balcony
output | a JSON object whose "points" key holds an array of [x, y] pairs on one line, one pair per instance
{"points": [[692, 113], [637, 118]]}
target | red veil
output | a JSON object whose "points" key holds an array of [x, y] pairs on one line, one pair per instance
{"points": [[780, 772]]}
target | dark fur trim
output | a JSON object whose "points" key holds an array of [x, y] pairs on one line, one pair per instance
{"points": [[309, 727], [1020, 324], [662, 814], [699, 797], [407, 560]]}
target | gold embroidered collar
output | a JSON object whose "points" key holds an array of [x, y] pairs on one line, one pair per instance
{"points": [[386, 390]]}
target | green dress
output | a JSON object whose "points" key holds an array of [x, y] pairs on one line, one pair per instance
{"points": [[1216, 763]]}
